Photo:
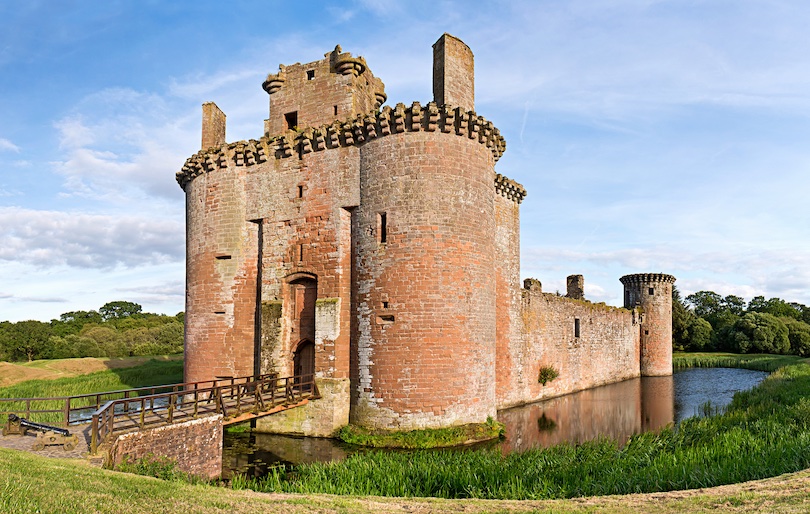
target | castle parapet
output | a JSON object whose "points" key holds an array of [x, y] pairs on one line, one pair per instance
{"points": [[414, 118]]}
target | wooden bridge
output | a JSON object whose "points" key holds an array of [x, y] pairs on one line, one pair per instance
{"points": [[116, 412]]}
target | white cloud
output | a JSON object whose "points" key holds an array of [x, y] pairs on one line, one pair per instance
{"points": [[50, 238], [7, 145], [123, 146]]}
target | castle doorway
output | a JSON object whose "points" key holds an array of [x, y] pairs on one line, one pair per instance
{"points": [[304, 361]]}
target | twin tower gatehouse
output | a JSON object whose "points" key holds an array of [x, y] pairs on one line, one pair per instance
{"points": [[377, 248]]}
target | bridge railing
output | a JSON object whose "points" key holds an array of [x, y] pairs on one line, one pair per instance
{"points": [[64, 411], [230, 397]]}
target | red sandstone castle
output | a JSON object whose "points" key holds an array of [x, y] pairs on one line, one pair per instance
{"points": [[377, 248]]}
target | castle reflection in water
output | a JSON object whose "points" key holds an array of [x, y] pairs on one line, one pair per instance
{"points": [[615, 411]]}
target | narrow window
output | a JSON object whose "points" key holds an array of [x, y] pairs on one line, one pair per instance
{"points": [[300, 191], [576, 327], [386, 319], [310, 74], [385, 305], [383, 227], [222, 257], [646, 332], [652, 291], [300, 252], [336, 110], [292, 120]]}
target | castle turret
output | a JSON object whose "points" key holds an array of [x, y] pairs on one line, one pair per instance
{"points": [[652, 292], [426, 292]]}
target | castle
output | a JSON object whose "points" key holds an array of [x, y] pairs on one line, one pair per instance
{"points": [[377, 248]]}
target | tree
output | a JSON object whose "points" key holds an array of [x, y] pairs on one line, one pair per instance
{"points": [[760, 332], [799, 336], [73, 322], [119, 310], [26, 340]]}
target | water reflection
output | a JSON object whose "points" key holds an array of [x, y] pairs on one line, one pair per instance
{"points": [[615, 411]]}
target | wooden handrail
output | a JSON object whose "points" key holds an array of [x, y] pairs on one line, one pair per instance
{"points": [[229, 399]]}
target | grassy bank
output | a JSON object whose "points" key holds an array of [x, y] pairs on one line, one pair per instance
{"points": [[755, 361], [427, 438], [30, 483], [765, 432], [153, 372]]}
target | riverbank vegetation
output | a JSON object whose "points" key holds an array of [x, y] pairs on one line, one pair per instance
{"points": [[30, 483], [117, 329], [754, 361], [764, 432], [427, 438], [707, 321]]}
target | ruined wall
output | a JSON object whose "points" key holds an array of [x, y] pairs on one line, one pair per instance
{"points": [[195, 445], [425, 288], [605, 351]]}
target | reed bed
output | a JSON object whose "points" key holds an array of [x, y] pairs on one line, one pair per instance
{"points": [[758, 362], [764, 432]]}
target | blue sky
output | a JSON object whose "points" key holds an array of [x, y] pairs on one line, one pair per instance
{"points": [[652, 136]]}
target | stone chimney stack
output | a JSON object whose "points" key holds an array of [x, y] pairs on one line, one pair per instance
{"points": [[453, 73], [213, 126], [575, 287]]}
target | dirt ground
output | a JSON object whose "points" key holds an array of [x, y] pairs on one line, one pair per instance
{"points": [[13, 373]]}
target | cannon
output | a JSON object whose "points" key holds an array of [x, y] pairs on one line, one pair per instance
{"points": [[47, 435]]}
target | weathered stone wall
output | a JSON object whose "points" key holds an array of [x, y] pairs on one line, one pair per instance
{"points": [[652, 293], [339, 86], [318, 418], [305, 206], [425, 287], [508, 322], [221, 277], [195, 445], [453, 73], [213, 126], [606, 350]]}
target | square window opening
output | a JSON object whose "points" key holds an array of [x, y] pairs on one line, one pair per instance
{"points": [[652, 291], [291, 119], [310, 74]]}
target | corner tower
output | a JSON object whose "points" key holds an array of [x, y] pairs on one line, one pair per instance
{"points": [[426, 292], [652, 292]]}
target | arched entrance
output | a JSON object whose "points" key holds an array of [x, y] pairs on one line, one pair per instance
{"points": [[304, 361]]}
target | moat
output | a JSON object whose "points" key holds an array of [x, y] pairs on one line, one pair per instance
{"points": [[616, 411]]}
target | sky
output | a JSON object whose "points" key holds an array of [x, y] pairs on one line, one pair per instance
{"points": [[655, 136]]}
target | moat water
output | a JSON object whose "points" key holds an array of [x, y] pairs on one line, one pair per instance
{"points": [[617, 411]]}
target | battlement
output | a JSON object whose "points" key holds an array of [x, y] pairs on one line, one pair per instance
{"points": [[413, 118], [646, 278], [509, 189]]}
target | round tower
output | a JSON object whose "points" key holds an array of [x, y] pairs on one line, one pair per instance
{"points": [[652, 292]]}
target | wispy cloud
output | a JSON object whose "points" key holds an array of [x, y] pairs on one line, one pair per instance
{"points": [[6, 145], [51, 238]]}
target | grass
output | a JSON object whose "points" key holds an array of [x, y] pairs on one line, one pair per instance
{"points": [[755, 361], [765, 432], [153, 372], [30, 483], [426, 438]]}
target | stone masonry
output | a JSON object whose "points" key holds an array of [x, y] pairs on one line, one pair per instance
{"points": [[377, 249]]}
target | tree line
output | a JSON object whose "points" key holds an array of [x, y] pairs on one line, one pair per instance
{"points": [[117, 329], [707, 321]]}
